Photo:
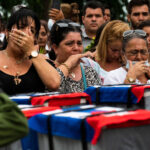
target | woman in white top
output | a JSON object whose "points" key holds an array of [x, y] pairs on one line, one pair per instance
{"points": [[135, 51], [108, 51]]}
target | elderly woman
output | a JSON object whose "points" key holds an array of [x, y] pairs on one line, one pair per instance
{"points": [[135, 49], [67, 42], [108, 50]]}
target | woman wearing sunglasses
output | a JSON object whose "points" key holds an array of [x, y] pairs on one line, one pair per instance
{"points": [[135, 51], [67, 43]]}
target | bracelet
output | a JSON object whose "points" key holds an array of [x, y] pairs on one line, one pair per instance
{"points": [[67, 67]]}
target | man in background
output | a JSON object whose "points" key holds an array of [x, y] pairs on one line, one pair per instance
{"points": [[107, 13], [92, 18], [145, 25], [138, 11]]}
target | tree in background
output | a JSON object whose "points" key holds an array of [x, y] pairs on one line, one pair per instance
{"points": [[6, 7], [41, 7]]}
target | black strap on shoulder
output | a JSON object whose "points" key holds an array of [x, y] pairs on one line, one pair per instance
{"points": [[83, 135], [97, 95], [50, 136]]}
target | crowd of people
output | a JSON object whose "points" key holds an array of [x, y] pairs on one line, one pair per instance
{"points": [[62, 54], [66, 55]]}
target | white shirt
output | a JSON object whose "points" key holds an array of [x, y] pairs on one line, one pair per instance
{"points": [[118, 76]]}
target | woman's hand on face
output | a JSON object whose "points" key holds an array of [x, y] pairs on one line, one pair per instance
{"points": [[74, 60], [138, 69], [23, 40]]}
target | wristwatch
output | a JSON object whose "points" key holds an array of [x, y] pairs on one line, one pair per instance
{"points": [[34, 54], [131, 80]]}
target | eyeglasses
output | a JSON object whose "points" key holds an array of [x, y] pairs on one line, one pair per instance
{"points": [[130, 33], [135, 52], [65, 25]]}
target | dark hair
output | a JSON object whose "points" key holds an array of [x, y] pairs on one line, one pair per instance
{"points": [[44, 24], [21, 16], [59, 33], [94, 5], [133, 3], [98, 33], [106, 7], [144, 24]]}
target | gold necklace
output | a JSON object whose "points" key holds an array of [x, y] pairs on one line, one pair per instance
{"points": [[17, 80]]}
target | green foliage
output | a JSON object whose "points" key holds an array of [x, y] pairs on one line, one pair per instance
{"points": [[117, 8], [7, 6], [90, 46], [41, 7]]}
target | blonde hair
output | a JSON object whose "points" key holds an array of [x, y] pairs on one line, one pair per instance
{"points": [[112, 31]]}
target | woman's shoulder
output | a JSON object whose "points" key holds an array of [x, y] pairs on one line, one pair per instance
{"points": [[90, 70], [89, 62]]}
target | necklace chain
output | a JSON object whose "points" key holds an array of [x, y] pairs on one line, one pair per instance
{"points": [[16, 79], [17, 61]]}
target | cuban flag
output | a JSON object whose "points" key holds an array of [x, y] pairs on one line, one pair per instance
{"points": [[64, 122], [117, 94], [67, 122]]}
